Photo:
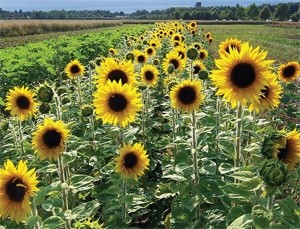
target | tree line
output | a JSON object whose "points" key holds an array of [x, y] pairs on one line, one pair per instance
{"points": [[280, 12]]}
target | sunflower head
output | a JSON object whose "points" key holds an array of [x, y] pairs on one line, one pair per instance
{"points": [[129, 56], [197, 67], [149, 75], [21, 103], [228, 44], [175, 61], [270, 95], [289, 72], [87, 110], [150, 51], [17, 186], [202, 54], [49, 139], [112, 51], [192, 53], [132, 160], [117, 104], [187, 95], [74, 69], [112, 69], [241, 76]]}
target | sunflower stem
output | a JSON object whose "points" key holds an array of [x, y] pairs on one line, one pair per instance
{"points": [[79, 90], [21, 138], [174, 129], [124, 206], [238, 139], [144, 96], [35, 213], [64, 188], [58, 105], [195, 159], [270, 202]]}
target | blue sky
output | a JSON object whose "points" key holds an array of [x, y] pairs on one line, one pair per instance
{"points": [[128, 6]]}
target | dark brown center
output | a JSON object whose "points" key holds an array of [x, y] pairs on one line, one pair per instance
{"points": [[289, 71], [117, 75], [130, 160], [15, 190], [175, 63], [75, 69], [243, 75], [23, 102], [52, 138], [187, 95], [149, 75], [117, 102]]}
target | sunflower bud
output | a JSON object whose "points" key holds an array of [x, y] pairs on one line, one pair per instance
{"points": [[45, 94], [65, 100], [129, 56], [44, 108], [272, 143], [145, 42], [192, 53], [156, 61], [273, 172], [203, 74], [61, 91], [139, 47], [86, 110]]}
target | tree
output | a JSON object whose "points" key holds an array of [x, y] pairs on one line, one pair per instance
{"points": [[214, 15], [265, 13], [239, 12], [252, 11], [281, 12], [230, 15], [186, 15]]}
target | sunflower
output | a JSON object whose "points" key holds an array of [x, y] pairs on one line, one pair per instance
{"points": [[241, 76], [149, 75], [177, 37], [174, 61], [49, 139], [187, 95], [192, 24], [210, 40], [117, 104], [17, 186], [203, 54], [150, 51], [207, 35], [289, 152], [197, 46], [114, 70], [132, 160], [181, 49], [74, 69], [112, 51], [140, 57], [270, 95], [233, 43], [197, 66], [20, 101], [289, 72]]}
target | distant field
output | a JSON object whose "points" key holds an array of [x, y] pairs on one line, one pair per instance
{"points": [[282, 43], [14, 28]]}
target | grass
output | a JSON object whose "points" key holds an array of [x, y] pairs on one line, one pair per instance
{"points": [[282, 43]]}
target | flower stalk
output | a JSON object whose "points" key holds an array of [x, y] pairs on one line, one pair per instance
{"points": [[238, 138]]}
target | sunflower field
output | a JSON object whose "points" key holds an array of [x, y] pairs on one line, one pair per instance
{"points": [[144, 127]]}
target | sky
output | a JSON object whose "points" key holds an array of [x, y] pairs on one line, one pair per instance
{"points": [[127, 6]]}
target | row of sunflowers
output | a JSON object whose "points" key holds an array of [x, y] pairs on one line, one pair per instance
{"points": [[157, 133]]}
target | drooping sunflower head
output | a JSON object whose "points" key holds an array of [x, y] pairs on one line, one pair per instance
{"points": [[203, 54], [197, 66], [289, 153], [17, 186], [232, 43], [173, 60], [74, 69], [289, 72], [187, 95], [149, 75], [21, 103], [241, 76], [49, 139], [132, 160], [117, 104], [270, 95], [114, 70]]}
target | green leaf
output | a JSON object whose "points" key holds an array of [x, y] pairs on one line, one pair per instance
{"points": [[252, 184], [243, 175], [261, 216], [190, 202], [81, 183], [52, 222], [39, 199], [1, 102], [52, 168], [291, 211], [244, 221], [32, 220], [226, 168], [234, 213], [235, 192]]}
